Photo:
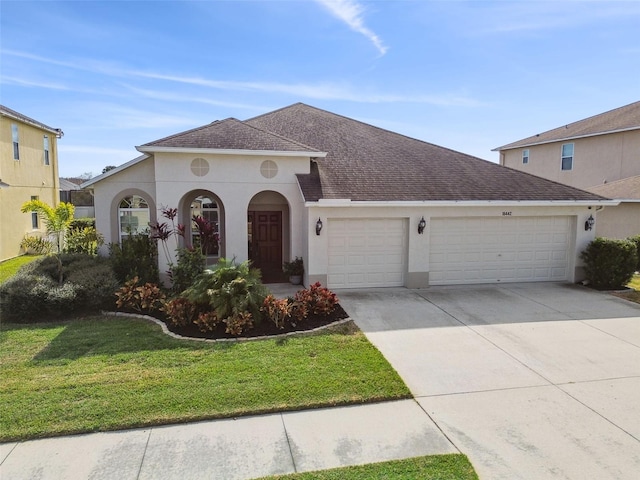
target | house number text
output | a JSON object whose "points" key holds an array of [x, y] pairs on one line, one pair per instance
{"points": [[506, 214]]}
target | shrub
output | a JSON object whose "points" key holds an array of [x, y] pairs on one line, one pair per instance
{"points": [[180, 311], [610, 264], [229, 290], [277, 311], [36, 245], [97, 285], [636, 242], [319, 300], [190, 263], [83, 240], [137, 256], [207, 321], [58, 285], [80, 223], [140, 298], [238, 323]]}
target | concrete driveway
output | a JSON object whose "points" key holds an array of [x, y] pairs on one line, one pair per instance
{"points": [[531, 381]]}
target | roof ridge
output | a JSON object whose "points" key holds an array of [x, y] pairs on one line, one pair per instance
{"points": [[277, 135], [191, 130], [371, 126], [531, 139]]}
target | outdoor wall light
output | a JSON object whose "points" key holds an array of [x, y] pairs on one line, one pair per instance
{"points": [[421, 226], [318, 226], [588, 225]]}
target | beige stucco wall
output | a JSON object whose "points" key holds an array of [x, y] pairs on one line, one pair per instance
{"points": [[418, 245], [233, 179], [26, 177], [596, 159], [620, 222]]}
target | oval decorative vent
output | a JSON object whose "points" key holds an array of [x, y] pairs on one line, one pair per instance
{"points": [[269, 169], [199, 167]]}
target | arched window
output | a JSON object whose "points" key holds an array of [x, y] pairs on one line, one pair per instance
{"points": [[133, 216], [206, 208]]}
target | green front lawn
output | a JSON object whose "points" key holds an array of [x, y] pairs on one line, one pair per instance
{"points": [[435, 467], [8, 268], [635, 283], [109, 373]]}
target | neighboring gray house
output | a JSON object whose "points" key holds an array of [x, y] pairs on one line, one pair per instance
{"points": [[363, 206]]}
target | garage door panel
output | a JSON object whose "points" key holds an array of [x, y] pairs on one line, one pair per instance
{"points": [[499, 249], [366, 252]]}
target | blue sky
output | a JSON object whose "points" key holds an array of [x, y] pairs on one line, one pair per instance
{"points": [[467, 75]]}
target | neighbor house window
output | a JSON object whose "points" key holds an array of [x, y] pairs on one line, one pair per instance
{"points": [[16, 142], [45, 147], [567, 156], [35, 224], [133, 216], [525, 156]]}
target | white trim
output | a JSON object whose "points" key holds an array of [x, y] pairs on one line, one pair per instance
{"points": [[563, 139], [230, 151], [461, 203], [113, 171]]}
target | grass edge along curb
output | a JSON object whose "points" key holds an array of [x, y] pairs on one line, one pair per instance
{"points": [[452, 466]]}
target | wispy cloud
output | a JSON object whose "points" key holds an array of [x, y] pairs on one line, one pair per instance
{"points": [[92, 149], [350, 12], [23, 82], [315, 91], [510, 17]]}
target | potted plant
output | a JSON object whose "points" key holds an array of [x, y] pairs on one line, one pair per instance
{"points": [[294, 270]]}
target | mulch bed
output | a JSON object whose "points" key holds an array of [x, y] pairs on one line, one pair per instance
{"points": [[262, 328]]}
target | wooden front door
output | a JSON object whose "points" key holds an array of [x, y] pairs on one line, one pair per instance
{"points": [[265, 244]]}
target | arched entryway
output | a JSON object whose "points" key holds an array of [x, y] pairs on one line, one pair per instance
{"points": [[268, 227], [206, 206]]}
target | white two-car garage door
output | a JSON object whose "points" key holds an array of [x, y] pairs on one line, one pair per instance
{"points": [[499, 249], [366, 252]]}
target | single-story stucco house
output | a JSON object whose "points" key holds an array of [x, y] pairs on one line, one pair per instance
{"points": [[363, 206]]}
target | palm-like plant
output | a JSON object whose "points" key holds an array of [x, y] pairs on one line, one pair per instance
{"points": [[229, 289], [57, 220]]}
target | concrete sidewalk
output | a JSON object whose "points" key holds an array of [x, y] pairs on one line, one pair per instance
{"points": [[243, 448]]}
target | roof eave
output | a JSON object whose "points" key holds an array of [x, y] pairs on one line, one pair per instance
{"points": [[230, 151], [34, 123], [562, 139], [346, 202], [113, 171]]}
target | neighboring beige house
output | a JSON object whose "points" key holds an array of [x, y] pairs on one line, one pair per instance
{"points": [[28, 170], [622, 221], [363, 206], [589, 154]]}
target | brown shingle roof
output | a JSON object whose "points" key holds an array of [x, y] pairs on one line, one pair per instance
{"points": [[230, 134], [619, 119], [626, 188], [367, 163]]}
